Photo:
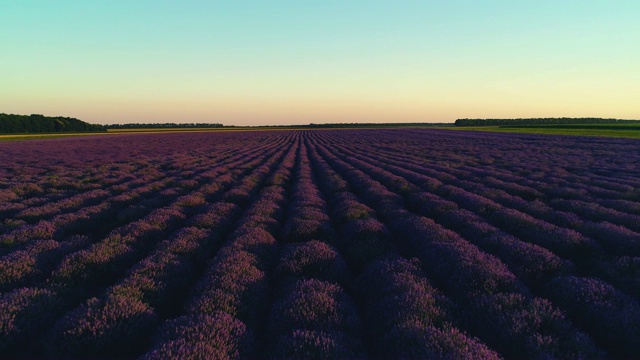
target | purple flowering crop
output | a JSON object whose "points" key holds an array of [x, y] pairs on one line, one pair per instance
{"points": [[320, 244]]}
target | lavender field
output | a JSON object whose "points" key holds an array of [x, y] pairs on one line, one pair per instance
{"points": [[358, 244]]}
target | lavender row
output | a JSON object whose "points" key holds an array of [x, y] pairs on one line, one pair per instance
{"points": [[102, 262], [564, 242], [531, 263], [404, 315], [592, 186], [312, 316], [522, 225], [59, 181], [356, 244], [234, 288], [65, 221], [423, 160], [615, 240], [467, 274], [162, 266], [630, 335], [131, 213], [144, 191], [46, 230]]}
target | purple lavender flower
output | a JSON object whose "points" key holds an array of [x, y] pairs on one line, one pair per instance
{"points": [[214, 336]]}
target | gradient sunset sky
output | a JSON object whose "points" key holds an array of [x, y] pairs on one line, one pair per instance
{"points": [[296, 62]]}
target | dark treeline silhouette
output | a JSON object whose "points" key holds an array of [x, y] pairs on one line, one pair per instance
{"points": [[298, 126], [163, 126], [539, 121], [355, 125], [36, 123], [373, 125]]}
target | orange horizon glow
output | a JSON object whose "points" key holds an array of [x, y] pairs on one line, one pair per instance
{"points": [[335, 62]]}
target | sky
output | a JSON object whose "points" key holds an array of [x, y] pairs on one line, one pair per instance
{"points": [[298, 62]]}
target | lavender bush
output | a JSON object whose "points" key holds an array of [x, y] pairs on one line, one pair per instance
{"points": [[367, 243]]}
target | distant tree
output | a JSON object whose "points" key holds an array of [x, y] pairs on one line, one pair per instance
{"points": [[163, 126], [537, 121], [37, 123]]}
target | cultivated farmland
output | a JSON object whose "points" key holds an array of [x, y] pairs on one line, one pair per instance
{"points": [[320, 244]]}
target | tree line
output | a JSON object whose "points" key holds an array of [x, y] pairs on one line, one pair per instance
{"points": [[36, 123], [163, 126], [310, 126], [538, 121]]}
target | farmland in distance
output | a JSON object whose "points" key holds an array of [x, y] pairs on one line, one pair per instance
{"points": [[368, 243]]}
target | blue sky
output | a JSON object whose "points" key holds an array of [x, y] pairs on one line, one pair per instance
{"points": [[284, 62]]}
